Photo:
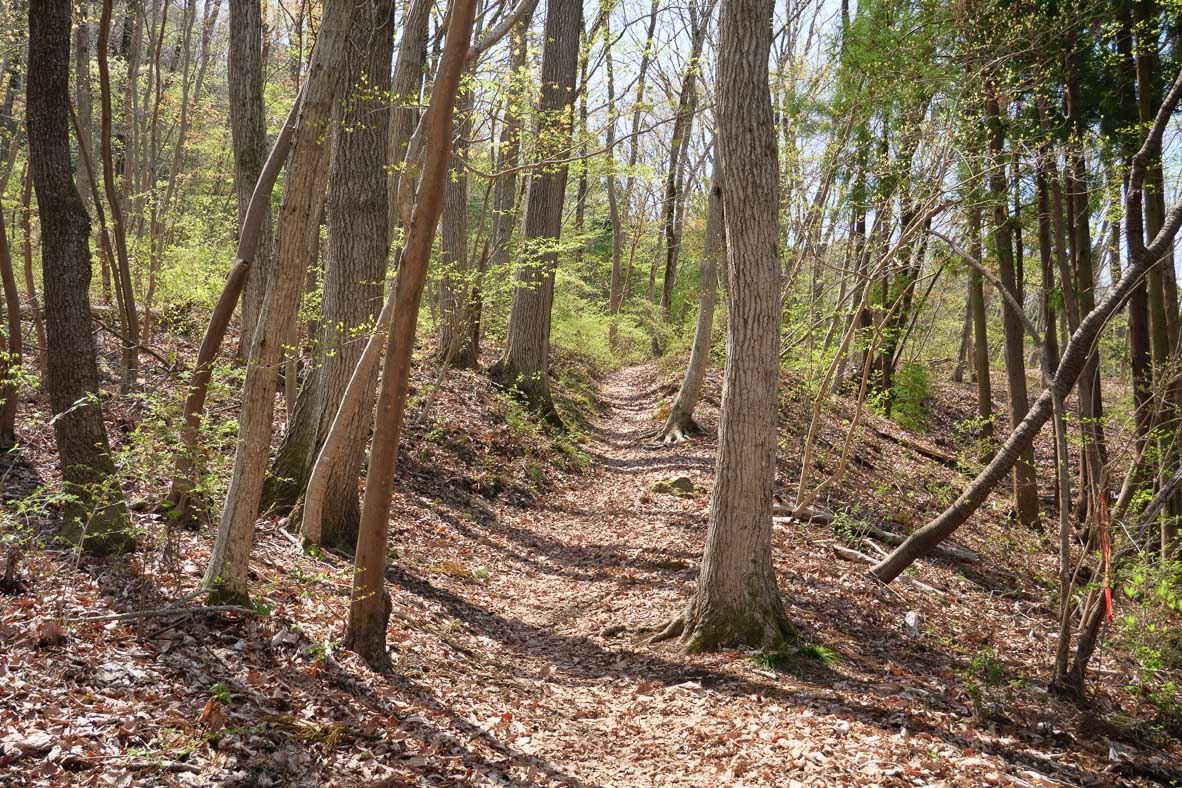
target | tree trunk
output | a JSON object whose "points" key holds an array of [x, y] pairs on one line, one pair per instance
{"points": [[357, 395], [84, 104], [95, 517], [303, 193], [1025, 484], [504, 215], [405, 88], [10, 343], [986, 432], [354, 273], [680, 422], [369, 609], [525, 364], [615, 289], [181, 504], [737, 601], [1163, 300], [248, 132], [966, 334], [687, 106], [1078, 212], [30, 285], [130, 316], [455, 277]]}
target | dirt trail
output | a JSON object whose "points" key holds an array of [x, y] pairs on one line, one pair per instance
{"points": [[568, 699]]}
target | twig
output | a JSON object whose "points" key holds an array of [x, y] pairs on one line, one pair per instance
{"points": [[137, 345], [172, 610]]}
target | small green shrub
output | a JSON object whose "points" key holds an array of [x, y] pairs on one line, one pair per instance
{"points": [[912, 390]]}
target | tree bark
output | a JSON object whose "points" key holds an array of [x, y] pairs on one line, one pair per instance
{"points": [[966, 334], [455, 277], [248, 133], [615, 288], [1078, 212], [95, 517], [1162, 298], [737, 601], [405, 89], [181, 504], [687, 106], [30, 286], [370, 607], [525, 364], [504, 214], [303, 193]]}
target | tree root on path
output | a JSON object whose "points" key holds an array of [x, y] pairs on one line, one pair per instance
{"points": [[674, 629]]}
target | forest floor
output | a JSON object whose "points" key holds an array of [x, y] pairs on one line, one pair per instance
{"points": [[521, 611]]}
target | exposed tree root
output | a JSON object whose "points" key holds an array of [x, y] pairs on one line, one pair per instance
{"points": [[677, 430], [671, 630], [698, 631]]}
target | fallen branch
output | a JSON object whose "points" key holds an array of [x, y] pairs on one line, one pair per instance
{"points": [[850, 554], [784, 510], [930, 452], [953, 552]]}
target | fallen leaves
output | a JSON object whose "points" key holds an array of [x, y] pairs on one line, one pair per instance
{"points": [[538, 674]]}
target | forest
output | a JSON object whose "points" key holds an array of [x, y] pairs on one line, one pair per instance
{"points": [[590, 392]]}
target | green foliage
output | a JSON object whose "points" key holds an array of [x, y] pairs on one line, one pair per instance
{"points": [[196, 263], [797, 660], [222, 693], [984, 674], [912, 391], [1151, 631]]}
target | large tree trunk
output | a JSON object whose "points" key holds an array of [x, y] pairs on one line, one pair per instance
{"points": [[369, 609], [1025, 484], [354, 270], [737, 601], [525, 364], [313, 416], [248, 132], [1075, 357], [358, 393], [303, 193], [680, 421], [96, 516]]}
